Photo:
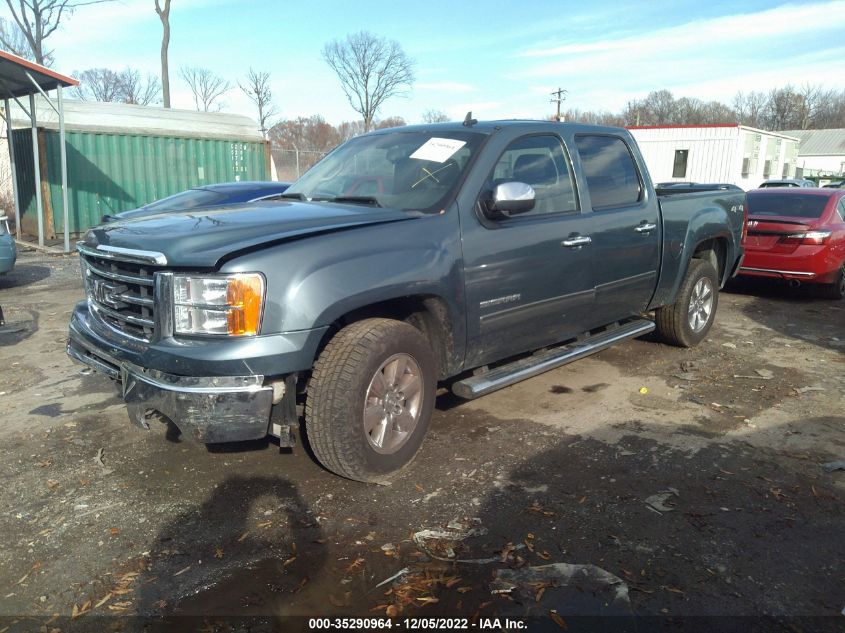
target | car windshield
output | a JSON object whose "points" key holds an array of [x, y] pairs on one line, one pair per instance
{"points": [[406, 170], [190, 199], [795, 205]]}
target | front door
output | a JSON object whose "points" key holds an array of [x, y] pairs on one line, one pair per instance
{"points": [[528, 278]]}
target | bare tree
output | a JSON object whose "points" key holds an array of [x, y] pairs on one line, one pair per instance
{"points": [[435, 116], [205, 86], [13, 40], [391, 121], [139, 90], [311, 134], [98, 84], [37, 20], [257, 88], [749, 108], [126, 86], [371, 69], [164, 16]]}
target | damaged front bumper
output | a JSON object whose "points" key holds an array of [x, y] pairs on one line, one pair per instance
{"points": [[208, 409]]}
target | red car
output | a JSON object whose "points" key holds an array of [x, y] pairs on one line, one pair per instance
{"points": [[798, 235]]}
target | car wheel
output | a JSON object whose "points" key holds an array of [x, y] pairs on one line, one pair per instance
{"points": [[686, 322], [836, 290], [370, 399]]}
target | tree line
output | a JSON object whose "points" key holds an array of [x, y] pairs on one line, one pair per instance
{"points": [[805, 107]]}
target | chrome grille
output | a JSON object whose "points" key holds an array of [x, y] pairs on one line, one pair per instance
{"points": [[121, 294]]}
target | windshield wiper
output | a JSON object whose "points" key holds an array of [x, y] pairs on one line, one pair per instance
{"points": [[370, 200]]}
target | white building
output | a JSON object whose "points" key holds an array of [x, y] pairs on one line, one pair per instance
{"points": [[734, 154], [822, 152]]}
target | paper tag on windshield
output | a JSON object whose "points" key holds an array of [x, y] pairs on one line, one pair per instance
{"points": [[438, 150]]}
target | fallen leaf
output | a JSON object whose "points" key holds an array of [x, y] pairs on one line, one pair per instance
{"points": [[218, 552], [464, 589], [544, 555], [427, 600], [114, 531], [674, 590], [265, 524], [289, 561], [182, 571], [104, 600], [301, 585], [243, 536], [392, 611], [52, 484], [539, 594], [582, 499], [452, 582], [558, 620]]}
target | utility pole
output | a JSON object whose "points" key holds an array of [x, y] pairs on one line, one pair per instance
{"points": [[560, 97]]}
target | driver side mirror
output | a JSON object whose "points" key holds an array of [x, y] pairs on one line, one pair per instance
{"points": [[511, 198]]}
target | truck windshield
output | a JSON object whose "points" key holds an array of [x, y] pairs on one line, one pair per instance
{"points": [[401, 170]]}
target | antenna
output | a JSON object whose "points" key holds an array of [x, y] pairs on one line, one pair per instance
{"points": [[469, 121], [560, 92]]}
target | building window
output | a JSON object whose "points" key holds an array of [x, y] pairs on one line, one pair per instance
{"points": [[680, 168], [746, 166], [767, 168]]}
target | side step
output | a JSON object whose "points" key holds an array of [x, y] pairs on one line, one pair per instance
{"points": [[506, 375]]}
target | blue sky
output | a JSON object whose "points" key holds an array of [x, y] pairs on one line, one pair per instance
{"points": [[499, 59]]}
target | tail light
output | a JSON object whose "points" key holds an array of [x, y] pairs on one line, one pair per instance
{"points": [[810, 237], [744, 223]]}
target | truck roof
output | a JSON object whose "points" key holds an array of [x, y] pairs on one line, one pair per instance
{"points": [[488, 127]]}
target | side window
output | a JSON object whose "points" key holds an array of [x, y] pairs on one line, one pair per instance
{"points": [[609, 170], [539, 161], [840, 209]]}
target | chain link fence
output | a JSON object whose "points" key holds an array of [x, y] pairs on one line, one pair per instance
{"points": [[292, 163]]}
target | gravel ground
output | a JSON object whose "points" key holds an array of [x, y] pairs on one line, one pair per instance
{"points": [[645, 481]]}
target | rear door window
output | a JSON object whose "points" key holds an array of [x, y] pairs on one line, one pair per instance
{"points": [[610, 171]]}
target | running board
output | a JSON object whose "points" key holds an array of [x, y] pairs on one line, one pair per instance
{"points": [[506, 375]]}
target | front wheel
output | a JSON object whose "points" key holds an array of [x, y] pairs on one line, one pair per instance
{"points": [[370, 399], [686, 322]]}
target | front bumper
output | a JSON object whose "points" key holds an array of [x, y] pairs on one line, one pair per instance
{"points": [[208, 409]]}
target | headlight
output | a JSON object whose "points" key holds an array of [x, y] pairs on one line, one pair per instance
{"points": [[220, 304]]}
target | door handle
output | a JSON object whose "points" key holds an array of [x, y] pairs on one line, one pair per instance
{"points": [[645, 227], [576, 241]]}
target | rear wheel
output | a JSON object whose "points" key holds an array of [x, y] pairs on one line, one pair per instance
{"points": [[836, 290], [370, 399], [686, 322]]}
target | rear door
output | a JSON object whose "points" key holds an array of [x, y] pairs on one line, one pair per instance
{"points": [[625, 227]]}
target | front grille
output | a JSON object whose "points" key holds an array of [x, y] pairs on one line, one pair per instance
{"points": [[121, 294]]}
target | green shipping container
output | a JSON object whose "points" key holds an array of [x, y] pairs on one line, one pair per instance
{"points": [[112, 171]]}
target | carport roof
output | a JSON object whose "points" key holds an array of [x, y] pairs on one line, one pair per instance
{"points": [[15, 83]]}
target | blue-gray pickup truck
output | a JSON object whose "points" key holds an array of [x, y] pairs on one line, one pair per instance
{"points": [[466, 255]]}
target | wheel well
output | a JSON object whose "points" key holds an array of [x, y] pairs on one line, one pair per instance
{"points": [[716, 252], [428, 313]]}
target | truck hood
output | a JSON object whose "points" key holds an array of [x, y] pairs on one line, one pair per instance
{"points": [[203, 238]]}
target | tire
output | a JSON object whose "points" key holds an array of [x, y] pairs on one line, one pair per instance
{"points": [[836, 290], [686, 322], [361, 367]]}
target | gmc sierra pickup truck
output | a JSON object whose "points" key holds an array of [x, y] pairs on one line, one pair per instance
{"points": [[467, 255]]}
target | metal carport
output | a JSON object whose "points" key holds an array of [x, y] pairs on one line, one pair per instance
{"points": [[22, 78]]}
